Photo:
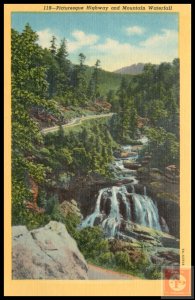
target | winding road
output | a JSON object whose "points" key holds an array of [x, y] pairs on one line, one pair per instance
{"points": [[75, 122], [98, 273]]}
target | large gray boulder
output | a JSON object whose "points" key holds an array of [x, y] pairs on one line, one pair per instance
{"points": [[46, 253]]}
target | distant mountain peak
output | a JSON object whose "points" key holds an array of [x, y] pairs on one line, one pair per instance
{"points": [[132, 69]]}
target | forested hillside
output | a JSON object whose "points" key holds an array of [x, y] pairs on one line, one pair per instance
{"points": [[49, 90], [153, 95]]}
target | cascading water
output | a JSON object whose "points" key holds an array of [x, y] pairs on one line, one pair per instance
{"points": [[137, 208], [89, 221], [113, 219], [131, 206], [146, 213]]}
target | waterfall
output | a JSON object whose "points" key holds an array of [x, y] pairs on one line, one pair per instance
{"points": [[89, 221], [123, 192], [133, 188], [139, 209], [113, 220], [146, 213], [118, 204]]}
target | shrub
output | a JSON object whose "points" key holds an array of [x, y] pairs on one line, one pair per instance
{"points": [[122, 260], [42, 199], [91, 242], [153, 272], [20, 214], [72, 221], [107, 259], [52, 204]]}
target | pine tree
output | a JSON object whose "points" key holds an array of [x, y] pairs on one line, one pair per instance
{"points": [[53, 47], [93, 87], [79, 81], [52, 68], [29, 87], [63, 84]]}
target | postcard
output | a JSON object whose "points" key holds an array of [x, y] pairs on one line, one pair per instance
{"points": [[97, 150]]}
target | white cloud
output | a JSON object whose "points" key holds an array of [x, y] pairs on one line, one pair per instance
{"points": [[166, 36], [135, 30], [115, 54], [81, 39], [45, 37], [114, 46]]}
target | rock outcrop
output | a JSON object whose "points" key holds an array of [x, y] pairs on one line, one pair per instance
{"points": [[46, 253], [162, 248], [131, 165], [172, 174]]}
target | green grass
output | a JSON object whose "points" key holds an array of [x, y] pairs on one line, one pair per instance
{"points": [[108, 80], [85, 123], [74, 112], [110, 267]]}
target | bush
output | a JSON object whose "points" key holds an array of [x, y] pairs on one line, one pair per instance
{"points": [[107, 259], [72, 221], [143, 261], [122, 260], [153, 272], [91, 242], [20, 214], [42, 199], [51, 204]]}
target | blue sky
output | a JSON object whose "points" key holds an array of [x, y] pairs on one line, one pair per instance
{"points": [[118, 40]]}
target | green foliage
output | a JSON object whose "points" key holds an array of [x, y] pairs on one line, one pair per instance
{"points": [[96, 249], [123, 124], [72, 221], [88, 150], [29, 87], [43, 80], [107, 80], [107, 259], [163, 146], [153, 272], [156, 94], [91, 242], [122, 260], [42, 199], [20, 215], [93, 87]]}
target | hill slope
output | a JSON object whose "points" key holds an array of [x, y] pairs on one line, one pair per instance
{"points": [[131, 70], [108, 80]]}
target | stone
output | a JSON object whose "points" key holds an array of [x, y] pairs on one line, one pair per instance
{"points": [[170, 242], [149, 235], [166, 257], [48, 252], [156, 170], [124, 154], [131, 165]]}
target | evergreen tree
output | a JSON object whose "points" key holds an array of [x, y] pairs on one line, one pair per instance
{"points": [[126, 120], [63, 80], [53, 47], [79, 81], [29, 87], [93, 87]]}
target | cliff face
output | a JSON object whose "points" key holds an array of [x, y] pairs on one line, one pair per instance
{"points": [[46, 253]]}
